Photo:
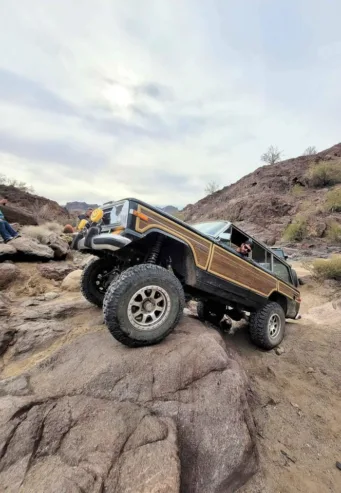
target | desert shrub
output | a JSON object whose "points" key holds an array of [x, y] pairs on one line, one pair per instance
{"points": [[324, 174], [327, 268], [12, 182], [297, 190], [53, 226], [333, 200], [297, 230], [334, 232], [43, 231]]}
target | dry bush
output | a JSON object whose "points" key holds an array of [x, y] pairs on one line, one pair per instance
{"points": [[272, 155], [211, 187], [12, 182], [334, 232], [324, 174], [297, 190], [333, 200], [327, 269], [297, 230], [42, 232]]}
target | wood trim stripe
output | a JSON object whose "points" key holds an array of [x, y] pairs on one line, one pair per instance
{"points": [[204, 252]]}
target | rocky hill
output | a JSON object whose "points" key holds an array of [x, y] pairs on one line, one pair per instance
{"points": [[274, 196], [26, 208]]}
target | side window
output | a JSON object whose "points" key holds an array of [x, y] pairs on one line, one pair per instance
{"points": [[225, 237], [261, 256], [281, 270]]}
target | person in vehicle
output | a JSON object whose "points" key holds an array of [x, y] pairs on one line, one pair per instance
{"points": [[6, 230], [84, 219], [245, 248]]}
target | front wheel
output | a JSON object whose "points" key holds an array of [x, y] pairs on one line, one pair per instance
{"points": [[96, 277], [267, 326], [143, 305]]}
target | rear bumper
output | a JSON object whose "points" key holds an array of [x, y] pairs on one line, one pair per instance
{"points": [[94, 241]]}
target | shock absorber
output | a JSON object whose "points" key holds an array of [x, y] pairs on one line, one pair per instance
{"points": [[155, 251]]}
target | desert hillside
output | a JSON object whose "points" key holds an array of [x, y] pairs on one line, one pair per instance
{"points": [[27, 208], [302, 191]]}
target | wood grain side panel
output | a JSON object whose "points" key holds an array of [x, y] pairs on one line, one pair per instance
{"points": [[200, 247], [226, 265], [287, 291]]}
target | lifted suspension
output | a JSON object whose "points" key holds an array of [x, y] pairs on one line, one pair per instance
{"points": [[155, 251]]}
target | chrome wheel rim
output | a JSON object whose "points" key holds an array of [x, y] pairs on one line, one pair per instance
{"points": [[274, 325], [149, 307]]}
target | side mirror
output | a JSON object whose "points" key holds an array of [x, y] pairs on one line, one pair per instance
{"points": [[286, 257], [225, 236]]}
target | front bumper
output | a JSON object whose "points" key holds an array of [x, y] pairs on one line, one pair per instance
{"points": [[94, 240]]}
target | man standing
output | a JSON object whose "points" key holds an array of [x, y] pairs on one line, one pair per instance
{"points": [[6, 230]]}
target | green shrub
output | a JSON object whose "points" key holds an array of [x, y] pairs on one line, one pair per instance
{"points": [[333, 200], [297, 230], [327, 269], [324, 174], [334, 232], [297, 190]]}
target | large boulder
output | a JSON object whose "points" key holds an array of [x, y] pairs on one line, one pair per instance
{"points": [[8, 273], [31, 247], [102, 417], [72, 281], [82, 444], [55, 270], [15, 214], [58, 245], [6, 249]]}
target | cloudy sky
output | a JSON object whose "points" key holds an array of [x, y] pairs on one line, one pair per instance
{"points": [[154, 98]]}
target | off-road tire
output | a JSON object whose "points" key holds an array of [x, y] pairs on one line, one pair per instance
{"points": [[89, 277], [121, 291], [210, 312], [259, 326]]}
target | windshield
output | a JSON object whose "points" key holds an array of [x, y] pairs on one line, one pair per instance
{"points": [[210, 228]]}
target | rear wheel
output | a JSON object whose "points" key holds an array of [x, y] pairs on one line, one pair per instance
{"points": [[143, 305], [96, 278], [210, 312], [267, 326]]}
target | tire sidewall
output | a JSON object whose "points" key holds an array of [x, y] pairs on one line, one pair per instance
{"points": [[89, 277], [274, 341], [126, 287]]}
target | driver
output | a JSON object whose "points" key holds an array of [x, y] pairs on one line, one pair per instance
{"points": [[245, 248]]}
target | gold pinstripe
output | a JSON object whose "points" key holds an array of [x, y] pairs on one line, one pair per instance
{"points": [[212, 249]]}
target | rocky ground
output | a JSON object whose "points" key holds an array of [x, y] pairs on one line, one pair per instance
{"points": [[82, 413]]}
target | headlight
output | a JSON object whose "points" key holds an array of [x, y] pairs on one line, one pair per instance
{"points": [[119, 213]]}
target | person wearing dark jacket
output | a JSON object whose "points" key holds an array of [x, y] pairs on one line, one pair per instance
{"points": [[6, 230]]}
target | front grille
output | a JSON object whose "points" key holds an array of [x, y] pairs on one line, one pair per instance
{"points": [[107, 212]]}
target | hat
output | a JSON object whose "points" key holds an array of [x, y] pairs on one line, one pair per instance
{"points": [[249, 242]]}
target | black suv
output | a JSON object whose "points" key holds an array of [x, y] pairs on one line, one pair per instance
{"points": [[148, 263]]}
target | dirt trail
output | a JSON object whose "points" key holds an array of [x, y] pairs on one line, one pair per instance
{"points": [[297, 398]]}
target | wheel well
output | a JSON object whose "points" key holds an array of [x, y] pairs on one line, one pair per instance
{"points": [[182, 259], [280, 299]]}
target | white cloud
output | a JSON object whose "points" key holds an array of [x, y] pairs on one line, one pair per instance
{"points": [[154, 99]]}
